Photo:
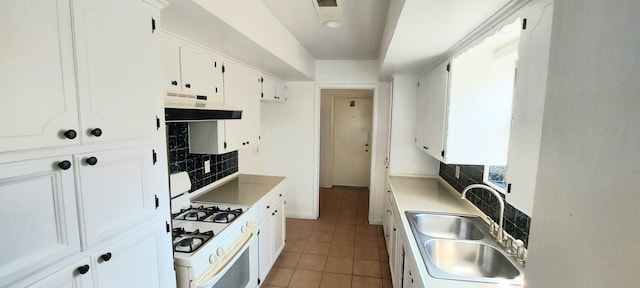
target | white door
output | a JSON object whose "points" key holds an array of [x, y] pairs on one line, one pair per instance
{"points": [[36, 194], [133, 262], [352, 141], [37, 74], [117, 80], [114, 191]]}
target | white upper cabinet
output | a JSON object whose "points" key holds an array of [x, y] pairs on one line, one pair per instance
{"points": [[528, 106], [473, 118], [273, 90], [192, 71], [37, 75], [240, 92], [36, 194], [114, 192], [431, 108], [116, 69]]}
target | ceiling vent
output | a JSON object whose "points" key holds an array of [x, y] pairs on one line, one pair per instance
{"points": [[329, 13]]}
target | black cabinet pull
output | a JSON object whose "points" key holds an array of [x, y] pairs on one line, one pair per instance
{"points": [[247, 142], [187, 85], [244, 143], [274, 213], [280, 195], [425, 147], [96, 132], [174, 83], [91, 161], [268, 206], [106, 257], [83, 269], [64, 165], [70, 134]]}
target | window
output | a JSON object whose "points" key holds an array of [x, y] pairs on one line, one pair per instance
{"points": [[494, 176]]}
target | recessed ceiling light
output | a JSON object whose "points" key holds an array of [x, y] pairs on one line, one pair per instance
{"points": [[332, 24]]}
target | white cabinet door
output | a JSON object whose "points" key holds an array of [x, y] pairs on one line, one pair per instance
{"points": [[36, 193], [171, 80], [386, 221], [279, 221], [117, 80], [432, 99], [281, 92], [201, 74], [114, 191], [268, 89], [68, 277], [395, 251], [265, 246], [528, 106], [133, 262], [411, 278], [239, 92], [37, 75]]}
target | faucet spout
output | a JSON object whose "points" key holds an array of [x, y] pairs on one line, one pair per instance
{"points": [[500, 201]]}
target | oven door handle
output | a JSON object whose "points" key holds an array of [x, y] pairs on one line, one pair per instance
{"points": [[206, 279]]}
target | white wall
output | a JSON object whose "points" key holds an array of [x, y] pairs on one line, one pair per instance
{"points": [[585, 233], [287, 146], [406, 158]]}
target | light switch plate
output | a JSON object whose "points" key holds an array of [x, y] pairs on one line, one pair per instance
{"points": [[207, 166]]}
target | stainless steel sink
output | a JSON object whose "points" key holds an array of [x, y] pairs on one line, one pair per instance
{"points": [[458, 247], [447, 226], [470, 259]]}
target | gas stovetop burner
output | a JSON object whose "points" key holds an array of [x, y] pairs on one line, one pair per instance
{"points": [[208, 214], [189, 241]]}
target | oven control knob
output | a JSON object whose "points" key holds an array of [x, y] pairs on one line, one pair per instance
{"points": [[244, 228], [249, 224], [220, 251], [212, 258]]}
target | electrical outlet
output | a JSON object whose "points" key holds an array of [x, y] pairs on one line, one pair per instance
{"points": [[457, 172], [207, 166]]}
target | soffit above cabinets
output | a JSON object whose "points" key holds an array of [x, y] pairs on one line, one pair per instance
{"points": [[420, 33]]}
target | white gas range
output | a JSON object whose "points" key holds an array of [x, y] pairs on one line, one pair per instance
{"points": [[214, 244]]}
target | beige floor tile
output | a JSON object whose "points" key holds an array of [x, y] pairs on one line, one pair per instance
{"points": [[305, 279], [332, 280], [366, 282], [345, 228], [269, 286], [316, 248], [384, 255], [365, 241], [322, 237], [295, 246], [343, 237], [386, 283], [339, 265], [324, 226], [296, 234], [312, 262], [367, 253], [287, 260], [349, 220], [366, 268], [341, 250], [279, 277]]}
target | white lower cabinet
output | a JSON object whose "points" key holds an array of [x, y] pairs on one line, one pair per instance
{"points": [[39, 221], [271, 238], [114, 191], [411, 277], [68, 277]]}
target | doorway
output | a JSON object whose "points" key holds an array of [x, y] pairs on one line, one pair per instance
{"points": [[345, 137]]}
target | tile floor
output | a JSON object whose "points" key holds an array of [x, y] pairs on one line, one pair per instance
{"points": [[340, 249]]}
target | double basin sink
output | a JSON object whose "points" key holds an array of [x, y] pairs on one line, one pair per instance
{"points": [[458, 247]]}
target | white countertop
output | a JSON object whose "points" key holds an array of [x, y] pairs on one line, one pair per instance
{"points": [[241, 190], [430, 195]]}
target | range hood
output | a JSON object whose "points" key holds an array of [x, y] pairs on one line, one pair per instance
{"points": [[193, 108]]}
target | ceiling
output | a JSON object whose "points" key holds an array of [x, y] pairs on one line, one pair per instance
{"points": [[359, 39]]}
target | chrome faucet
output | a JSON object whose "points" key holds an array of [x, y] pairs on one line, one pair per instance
{"points": [[500, 235]]}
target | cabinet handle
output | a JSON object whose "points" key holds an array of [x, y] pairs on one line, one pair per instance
{"points": [[106, 256], [174, 83], [395, 229], [70, 134], [425, 147], [83, 269], [244, 143], [91, 161], [247, 142], [96, 132], [268, 206], [187, 85], [274, 213], [64, 165], [280, 195]]}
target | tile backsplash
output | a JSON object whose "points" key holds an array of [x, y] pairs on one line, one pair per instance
{"points": [[516, 223], [181, 160]]}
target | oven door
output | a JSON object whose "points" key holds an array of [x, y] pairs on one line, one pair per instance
{"points": [[238, 268]]}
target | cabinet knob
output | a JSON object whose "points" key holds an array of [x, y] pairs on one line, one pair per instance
{"points": [[273, 214], [174, 83], [83, 269], [268, 206], [244, 143], [96, 132], [70, 134], [91, 160], [64, 165], [425, 147], [106, 256], [247, 142], [187, 85], [280, 195]]}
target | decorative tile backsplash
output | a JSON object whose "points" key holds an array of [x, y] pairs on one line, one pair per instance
{"points": [[181, 160], [516, 223]]}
